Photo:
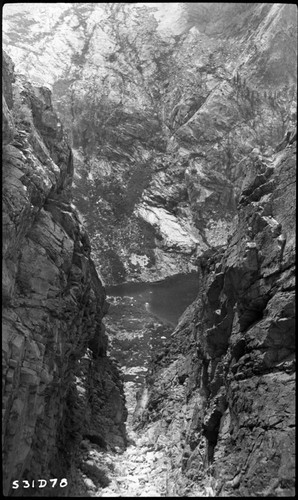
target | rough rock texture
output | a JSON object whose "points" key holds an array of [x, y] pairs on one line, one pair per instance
{"points": [[165, 105], [56, 375], [221, 397], [182, 119]]}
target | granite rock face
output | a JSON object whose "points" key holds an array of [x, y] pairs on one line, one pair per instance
{"points": [[182, 119], [166, 104], [221, 395], [55, 370]]}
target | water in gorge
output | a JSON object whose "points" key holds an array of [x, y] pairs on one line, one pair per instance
{"points": [[166, 299], [140, 320]]}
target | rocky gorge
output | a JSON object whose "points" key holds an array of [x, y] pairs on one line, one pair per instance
{"points": [[155, 142], [53, 340]]}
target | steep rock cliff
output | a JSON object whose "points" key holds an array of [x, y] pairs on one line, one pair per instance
{"points": [[165, 103], [58, 384], [169, 110], [221, 394]]}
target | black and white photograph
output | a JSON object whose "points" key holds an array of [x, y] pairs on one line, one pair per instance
{"points": [[148, 249]]}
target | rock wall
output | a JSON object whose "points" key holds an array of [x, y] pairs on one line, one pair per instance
{"points": [[165, 105], [221, 394], [58, 384], [182, 119]]}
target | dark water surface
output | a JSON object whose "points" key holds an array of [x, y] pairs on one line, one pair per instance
{"points": [[140, 321], [167, 299]]}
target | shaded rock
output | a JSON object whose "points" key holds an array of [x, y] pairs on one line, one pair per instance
{"points": [[53, 342], [167, 112], [227, 380]]}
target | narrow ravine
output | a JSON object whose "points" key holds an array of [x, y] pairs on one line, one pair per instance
{"points": [[149, 172], [139, 322], [141, 470]]}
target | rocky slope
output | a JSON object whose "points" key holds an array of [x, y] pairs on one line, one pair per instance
{"points": [[58, 383], [164, 104], [181, 117], [221, 397]]}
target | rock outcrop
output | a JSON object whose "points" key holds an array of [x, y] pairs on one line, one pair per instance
{"points": [[221, 398], [165, 105], [182, 120], [58, 383]]}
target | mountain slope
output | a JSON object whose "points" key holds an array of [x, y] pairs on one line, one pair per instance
{"points": [[182, 120], [162, 103]]}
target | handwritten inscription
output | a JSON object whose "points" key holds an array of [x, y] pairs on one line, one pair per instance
{"points": [[39, 483]]}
